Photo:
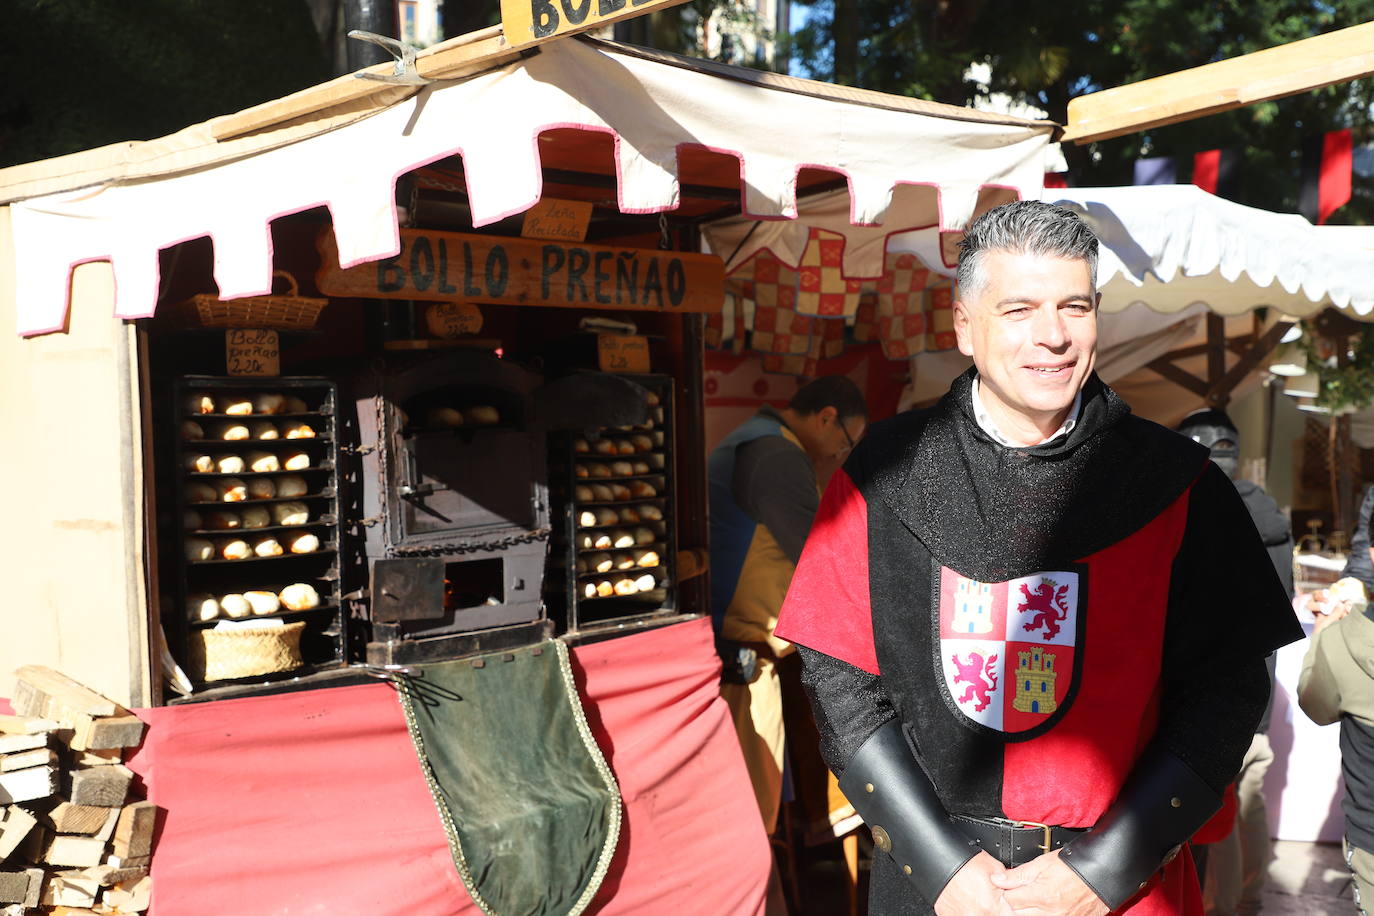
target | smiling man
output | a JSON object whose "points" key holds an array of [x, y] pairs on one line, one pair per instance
{"points": [[1033, 626]]}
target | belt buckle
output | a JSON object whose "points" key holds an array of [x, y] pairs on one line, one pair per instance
{"points": [[1045, 846]]}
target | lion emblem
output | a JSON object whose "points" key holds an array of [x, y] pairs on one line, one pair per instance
{"points": [[980, 676], [1047, 604]]}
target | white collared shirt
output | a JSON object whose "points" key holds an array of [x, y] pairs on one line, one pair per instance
{"points": [[985, 422]]}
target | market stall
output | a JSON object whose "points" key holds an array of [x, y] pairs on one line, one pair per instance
{"points": [[483, 362]]}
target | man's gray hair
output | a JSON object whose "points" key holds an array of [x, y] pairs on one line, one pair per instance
{"points": [[1025, 227]]}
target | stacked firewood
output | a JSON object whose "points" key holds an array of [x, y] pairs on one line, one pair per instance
{"points": [[71, 839]]}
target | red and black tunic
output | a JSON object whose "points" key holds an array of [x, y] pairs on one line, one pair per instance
{"points": [[1036, 617]]}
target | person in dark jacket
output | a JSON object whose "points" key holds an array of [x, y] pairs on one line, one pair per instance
{"points": [[1235, 867]]}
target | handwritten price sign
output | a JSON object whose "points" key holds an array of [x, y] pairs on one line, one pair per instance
{"points": [[252, 352], [622, 353]]}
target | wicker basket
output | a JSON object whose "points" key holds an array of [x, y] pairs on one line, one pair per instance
{"points": [[218, 655], [290, 311]]}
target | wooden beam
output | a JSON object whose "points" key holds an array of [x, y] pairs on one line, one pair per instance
{"points": [[1178, 376], [1220, 392], [1273, 73], [1216, 348]]}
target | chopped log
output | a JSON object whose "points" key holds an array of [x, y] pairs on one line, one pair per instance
{"points": [[28, 785], [133, 897], [74, 851], [95, 758], [22, 887], [83, 819], [70, 889], [94, 733], [14, 744], [48, 694], [15, 826], [106, 786], [27, 725], [127, 862], [134, 835], [37, 757], [108, 875]]}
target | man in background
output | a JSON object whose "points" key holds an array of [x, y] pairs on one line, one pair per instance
{"points": [[1235, 866], [763, 497]]}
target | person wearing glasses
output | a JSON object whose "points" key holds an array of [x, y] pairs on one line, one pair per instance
{"points": [[763, 496], [1033, 626]]}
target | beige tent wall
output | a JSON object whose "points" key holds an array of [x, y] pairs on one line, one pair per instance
{"points": [[71, 549]]}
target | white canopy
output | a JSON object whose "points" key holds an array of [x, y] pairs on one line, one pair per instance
{"points": [[651, 103]]}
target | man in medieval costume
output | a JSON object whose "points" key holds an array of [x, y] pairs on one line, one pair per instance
{"points": [[1033, 626]]}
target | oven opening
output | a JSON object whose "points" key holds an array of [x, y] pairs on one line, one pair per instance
{"points": [[474, 583]]}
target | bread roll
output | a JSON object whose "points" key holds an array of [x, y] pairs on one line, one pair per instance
{"points": [[230, 464], [199, 402], [291, 485], [231, 490], [297, 461], [625, 447], [586, 518], [646, 558], [484, 415], [299, 597], [268, 547], [620, 492], [581, 446], [651, 398], [197, 492], [605, 447], [642, 489], [629, 515], [642, 443], [235, 605], [292, 513], [303, 543], [582, 493], [624, 561], [202, 607], [201, 464], [300, 431], [192, 430], [621, 539], [220, 520], [584, 541], [293, 404], [601, 492], [268, 402], [640, 467], [443, 418], [650, 513], [235, 405], [622, 469], [190, 520], [605, 588], [600, 562], [255, 517], [625, 586], [263, 602], [235, 549], [264, 431], [262, 462], [644, 536], [232, 432], [589, 590], [199, 549], [597, 469], [581, 471], [607, 516], [646, 582], [262, 488]]}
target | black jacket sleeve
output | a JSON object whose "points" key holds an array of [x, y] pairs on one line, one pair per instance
{"points": [[1358, 563], [849, 705]]}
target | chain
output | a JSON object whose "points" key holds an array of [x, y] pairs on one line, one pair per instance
{"points": [[663, 241], [539, 534]]}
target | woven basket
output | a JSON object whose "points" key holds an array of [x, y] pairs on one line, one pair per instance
{"points": [[218, 655], [290, 311]]}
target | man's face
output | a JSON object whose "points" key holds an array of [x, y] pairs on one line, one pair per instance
{"points": [[1032, 333], [833, 438]]}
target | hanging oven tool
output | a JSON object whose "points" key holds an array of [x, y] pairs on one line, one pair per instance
{"points": [[404, 72]]}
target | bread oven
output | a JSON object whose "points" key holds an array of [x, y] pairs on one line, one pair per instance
{"points": [[455, 506]]}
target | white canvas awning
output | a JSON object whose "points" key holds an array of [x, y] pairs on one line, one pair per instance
{"points": [[190, 185]]}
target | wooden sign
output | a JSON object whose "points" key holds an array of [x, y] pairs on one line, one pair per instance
{"points": [[622, 353], [252, 352], [558, 220], [453, 319], [527, 22], [458, 267]]}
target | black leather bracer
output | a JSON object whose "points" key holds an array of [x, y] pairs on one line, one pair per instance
{"points": [[1162, 804], [890, 791]]}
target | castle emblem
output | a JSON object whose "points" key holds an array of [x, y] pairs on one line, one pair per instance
{"points": [[1035, 676], [972, 606]]}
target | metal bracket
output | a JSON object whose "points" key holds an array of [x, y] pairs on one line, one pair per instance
{"points": [[404, 72]]}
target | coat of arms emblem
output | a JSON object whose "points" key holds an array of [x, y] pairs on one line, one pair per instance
{"points": [[1007, 649]]}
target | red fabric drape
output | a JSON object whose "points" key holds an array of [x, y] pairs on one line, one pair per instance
{"points": [[313, 802], [1206, 166], [1337, 161]]}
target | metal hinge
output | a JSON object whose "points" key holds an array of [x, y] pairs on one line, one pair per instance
{"points": [[357, 449], [370, 521]]}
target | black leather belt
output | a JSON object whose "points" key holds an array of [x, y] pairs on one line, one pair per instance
{"points": [[1013, 843]]}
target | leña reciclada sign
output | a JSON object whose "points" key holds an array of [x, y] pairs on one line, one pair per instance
{"points": [[526, 22], [458, 267]]}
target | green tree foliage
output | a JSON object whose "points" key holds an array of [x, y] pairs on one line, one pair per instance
{"points": [[78, 74], [1045, 54]]}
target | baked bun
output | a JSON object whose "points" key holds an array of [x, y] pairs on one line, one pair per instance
{"points": [[220, 520], [600, 562], [293, 404], [584, 541], [629, 515], [292, 513], [622, 469], [582, 493], [235, 549], [263, 602], [199, 549], [646, 558], [605, 447], [644, 536], [620, 492], [231, 490], [191, 520], [297, 461], [607, 516], [441, 418], [625, 586], [586, 518], [624, 561], [299, 597], [232, 432], [484, 415], [261, 488], [581, 446], [605, 588], [642, 489], [230, 464], [202, 607], [262, 462], [622, 539], [192, 430], [651, 398], [304, 543], [640, 467], [300, 431], [642, 443], [268, 402], [268, 547], [235, 405], [291, 485], [197, 492], [199, 402], [581, 471], [646, 582], [201, 464], [596, 469], [625, 447], [264, 430], [601, 493], [601, 540], [235, 605], [650, 513], [255, 517]]}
